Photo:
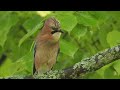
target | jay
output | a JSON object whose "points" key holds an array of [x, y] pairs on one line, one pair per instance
{"points": [[47, 46]]}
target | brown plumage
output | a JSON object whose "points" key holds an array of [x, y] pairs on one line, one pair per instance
{"points": [[47, 46]]}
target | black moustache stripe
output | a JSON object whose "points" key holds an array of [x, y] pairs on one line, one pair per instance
{"points": [[54, 32]]}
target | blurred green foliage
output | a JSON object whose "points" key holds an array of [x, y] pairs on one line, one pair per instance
{"points": [[85, 33]]}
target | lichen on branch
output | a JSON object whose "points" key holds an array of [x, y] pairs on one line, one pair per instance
{"points": [[83, 67], [86, 65]]}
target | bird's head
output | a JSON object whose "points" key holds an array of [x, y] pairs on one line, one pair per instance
{"points": [[52, 29]]}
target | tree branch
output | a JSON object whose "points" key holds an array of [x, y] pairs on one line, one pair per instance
{"points": [[85, 66]]}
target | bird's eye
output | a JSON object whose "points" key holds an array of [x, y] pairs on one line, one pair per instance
{"points": [[53, 32], [55, 29]]}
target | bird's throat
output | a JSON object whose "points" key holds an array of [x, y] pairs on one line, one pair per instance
{"points": [[56, 36]]}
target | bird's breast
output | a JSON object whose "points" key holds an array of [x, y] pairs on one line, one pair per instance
{"points": [[48, 54]]}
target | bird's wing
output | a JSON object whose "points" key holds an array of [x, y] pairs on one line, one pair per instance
{"points": [[56, 57], [34, 70], [58, 52]]}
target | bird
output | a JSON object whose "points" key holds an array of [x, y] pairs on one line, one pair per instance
{"points": [[47, 47]]}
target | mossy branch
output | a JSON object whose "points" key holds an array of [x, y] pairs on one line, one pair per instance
{"points": [[85, 66]]}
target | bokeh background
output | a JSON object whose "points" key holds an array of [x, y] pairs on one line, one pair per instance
{"points": [[85, 34]]}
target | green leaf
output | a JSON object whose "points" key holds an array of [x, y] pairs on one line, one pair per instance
{"points": [[93, 75], [68, 21], [7, 20], [30, 33], [100, 15], [113, 38], [110, 73], [114, 14], [79, 31], [32, 22], [8, 68], [11, 45], [68, 48], [116, 66], [86, 19], [25, 64]]}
